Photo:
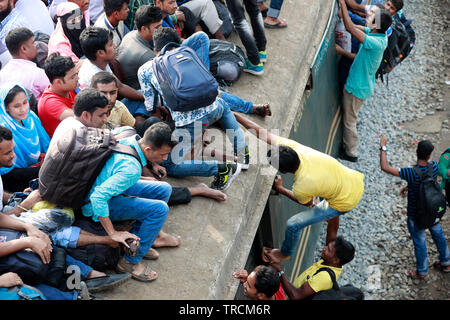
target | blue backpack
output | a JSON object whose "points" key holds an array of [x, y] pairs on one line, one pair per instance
{"points": [[185, 82]]}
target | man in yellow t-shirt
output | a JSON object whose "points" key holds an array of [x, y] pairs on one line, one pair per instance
{"points": [[315, 175], [334, 256]]}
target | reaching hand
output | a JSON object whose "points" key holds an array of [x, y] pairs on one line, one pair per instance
{"points": [[121, 236], [278, 183], [242, 275], [42, 248], [403, 191], [383, 140]]}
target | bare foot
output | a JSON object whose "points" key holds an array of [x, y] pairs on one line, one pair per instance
{"points": [[262, 110], [166, 240], [95, 274], [273, 255], [202, 189]]}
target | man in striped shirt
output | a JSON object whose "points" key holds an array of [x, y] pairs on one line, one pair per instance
{"points": [[424, 150]]}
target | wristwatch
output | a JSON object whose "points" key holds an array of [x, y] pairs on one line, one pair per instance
{"points": [[383, 148], [280, 273]]}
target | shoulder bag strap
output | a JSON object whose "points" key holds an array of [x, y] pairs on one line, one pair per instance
{"points": [[332, 276]]}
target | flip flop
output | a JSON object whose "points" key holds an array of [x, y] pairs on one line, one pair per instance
{"points": [[414, 275], [123, 266], [279, 25]]}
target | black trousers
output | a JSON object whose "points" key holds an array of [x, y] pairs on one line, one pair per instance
{"points": [[18, 179], [253, 42]]}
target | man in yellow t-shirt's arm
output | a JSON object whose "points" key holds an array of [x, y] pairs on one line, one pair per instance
{"points": [[316, 174]]}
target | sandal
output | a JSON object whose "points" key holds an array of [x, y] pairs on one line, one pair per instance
{"points": [[413, 274], [152, 254], [437, 265], [279, 25], [124, 266], [263, 110]]}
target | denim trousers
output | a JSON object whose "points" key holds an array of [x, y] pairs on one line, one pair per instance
{"points": [[145, 202], [298, 222], [420, 245], [199, 42], [237, 104], [177, 167], [274, 9], [254, 38]]}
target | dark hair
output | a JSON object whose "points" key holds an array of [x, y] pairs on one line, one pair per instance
{"points": [[103, 77], [345, 251], [113, 5], [89, 100], [163, 36], [424, 149], [5, 134], [288, 160], [385, 21], [16, 38], [12, 94], [158, 135], [267, 280], [93, 39], [56, 66], [146, 15], [398, 4]]}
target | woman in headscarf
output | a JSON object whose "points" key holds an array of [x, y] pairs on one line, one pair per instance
{"points": [[66, 37], [31, 141]]}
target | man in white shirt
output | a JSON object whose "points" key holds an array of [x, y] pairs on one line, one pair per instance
{"points": [[36, 15]]}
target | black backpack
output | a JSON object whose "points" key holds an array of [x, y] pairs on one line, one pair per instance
{"points": [[73, 163], [431, 203], [400, 44], [226, 60], [99, 256], [26, 263], [347, 292]]}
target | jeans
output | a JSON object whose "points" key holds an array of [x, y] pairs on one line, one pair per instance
{"points": [[275, 7], [52, 293], [176, 167], [237, 104], [136, 108], [85, 270], [66, 238], [199, 42], [420, 245], [253, 41], [296, 223], [145, 202]]}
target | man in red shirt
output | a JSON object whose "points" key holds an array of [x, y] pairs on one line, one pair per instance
{"points": [[57, 101], [262, 284]]}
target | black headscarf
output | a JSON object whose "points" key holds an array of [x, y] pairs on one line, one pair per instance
{"points": [[73, 31]]}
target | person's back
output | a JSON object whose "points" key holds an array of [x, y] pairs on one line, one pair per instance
{"points": [[133, 53], [11, 19], [320, 175], [37, 16]]}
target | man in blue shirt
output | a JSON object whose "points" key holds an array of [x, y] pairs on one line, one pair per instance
{"points": [[424, 150], [361, 79], [118, 193]]}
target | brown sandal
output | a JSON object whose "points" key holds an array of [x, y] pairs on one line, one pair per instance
{"points": [[124, 266], [263, 110]]}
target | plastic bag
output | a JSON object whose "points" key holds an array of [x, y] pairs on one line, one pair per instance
{"points": [[343, 37], [48, 217]]}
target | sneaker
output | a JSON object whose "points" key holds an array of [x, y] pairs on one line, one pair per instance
{"points": [[257, 70], [263, 56], [227, 173], [245, 163]]}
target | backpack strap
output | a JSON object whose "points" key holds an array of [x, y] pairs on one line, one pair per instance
{"points": [[121, 148], [332, 276]]}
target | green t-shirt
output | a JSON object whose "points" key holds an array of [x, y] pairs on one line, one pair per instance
{"points": [[444, 166], [361, 77]]}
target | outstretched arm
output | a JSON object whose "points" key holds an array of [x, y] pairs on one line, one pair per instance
{"points": [[261, 133], [383, 160], [349, 25], [293, 292]]}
